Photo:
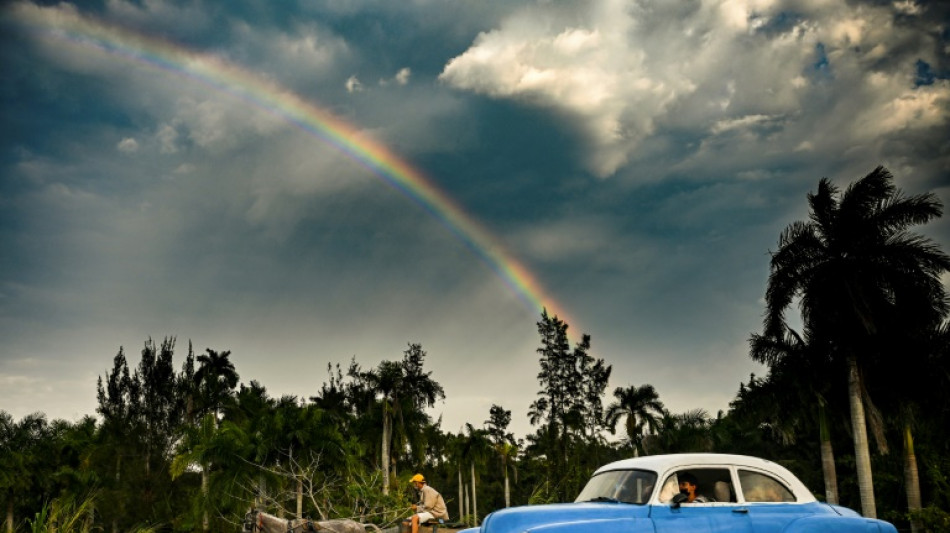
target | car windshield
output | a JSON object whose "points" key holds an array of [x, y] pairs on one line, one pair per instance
{"points": [[619, 486]]}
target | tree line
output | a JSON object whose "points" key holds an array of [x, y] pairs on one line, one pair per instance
{"points": [[853, 402]]}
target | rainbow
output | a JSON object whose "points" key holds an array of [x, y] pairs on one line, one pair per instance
{"points": [[66, 25]]}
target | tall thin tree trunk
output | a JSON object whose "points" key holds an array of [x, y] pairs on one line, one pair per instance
{"points": [[118, 478], [299, 498], [465, 512], [387, 436], [862, 455], [9, 520], [630, 427], [504, 463], [205, 521], [461, 495], [474, 501], [827, 456], [911, 477]]}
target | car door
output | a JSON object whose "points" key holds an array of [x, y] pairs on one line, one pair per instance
{"points": [[700, 518], [715, 516]]}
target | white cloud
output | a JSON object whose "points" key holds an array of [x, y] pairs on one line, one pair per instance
{"points": [[904, 108], [167, 139], [747, 121], [184, 169], [401, 78], [619, 72], [128, 145], [568, 68], [302, 56], [353, 85], [215, 123]]}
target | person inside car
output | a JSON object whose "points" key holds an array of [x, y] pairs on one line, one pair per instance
{"points": [[688, 487]]}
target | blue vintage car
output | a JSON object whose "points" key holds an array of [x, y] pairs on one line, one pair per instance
{"points": [[729, 493]]}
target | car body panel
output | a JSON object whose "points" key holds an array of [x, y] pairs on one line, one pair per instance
{"points": [[739, 481], [708, 518], [575, 515]]}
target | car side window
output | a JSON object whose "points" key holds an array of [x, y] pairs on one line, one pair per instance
{"points": [[757, 487], [711, 485]]}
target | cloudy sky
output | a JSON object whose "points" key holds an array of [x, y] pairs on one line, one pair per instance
{"points": [[206, 170]]}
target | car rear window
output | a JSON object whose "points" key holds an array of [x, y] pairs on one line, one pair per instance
{"points": [[758, 487]]}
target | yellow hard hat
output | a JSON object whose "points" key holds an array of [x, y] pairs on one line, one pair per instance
{"points": [[417, 479]]}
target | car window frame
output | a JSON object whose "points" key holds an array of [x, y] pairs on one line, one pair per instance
{"points": [[741, 492]]}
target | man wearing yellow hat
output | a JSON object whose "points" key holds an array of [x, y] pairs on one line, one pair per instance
{"points": [[431, 505]]}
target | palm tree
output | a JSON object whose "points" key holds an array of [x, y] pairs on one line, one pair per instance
{"points": [[385, 381], [454, 448], [214, 382], [852, 265], [215, 379], [209, 444], [476, 447], [255, 411], [793, 362], [682, 433], [197, 447], [306, 442], [502, 441], [507, 451], [70, 452], [18, 456], [403, 390], [921, 342], [642, 409]]}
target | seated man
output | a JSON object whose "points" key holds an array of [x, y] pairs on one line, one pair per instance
{"points": [[431, 505], [688, 487]]}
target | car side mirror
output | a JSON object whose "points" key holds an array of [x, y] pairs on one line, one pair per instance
{"points": [[678, 498]]}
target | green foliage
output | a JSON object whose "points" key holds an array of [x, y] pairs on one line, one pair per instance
{"points": [[67, 515], [931, 519], [543, 494], [39, 524], [569, 407]]}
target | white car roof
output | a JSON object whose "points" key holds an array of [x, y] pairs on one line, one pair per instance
{"points": [[663, 465]]}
